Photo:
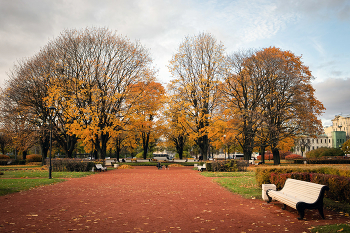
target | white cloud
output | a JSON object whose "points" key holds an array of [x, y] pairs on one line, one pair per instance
{"points": [[335, 95]]}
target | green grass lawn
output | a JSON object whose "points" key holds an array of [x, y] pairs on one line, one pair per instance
{"points": [[242, 183], [331, 228], [42, 174], [8, 186], [18, 178]]}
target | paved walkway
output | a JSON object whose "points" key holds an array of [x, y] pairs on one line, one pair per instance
{"points": [[145, 199]]}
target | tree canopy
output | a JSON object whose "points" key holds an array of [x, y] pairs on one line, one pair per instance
{"points": [[106, 95]]}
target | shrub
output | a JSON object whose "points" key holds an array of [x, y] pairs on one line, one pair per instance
{"points": [[4, 157], [227, 166], [34, 158], [293, 156], [283, 154], [267, 156], [324, 152], [71, 165], [323, 161]]}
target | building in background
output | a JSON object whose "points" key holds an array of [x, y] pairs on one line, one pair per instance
{"points": [[339, 123], [335, 136]]}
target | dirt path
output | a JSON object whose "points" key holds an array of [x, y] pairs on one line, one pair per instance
{"points": [[145, 199]]}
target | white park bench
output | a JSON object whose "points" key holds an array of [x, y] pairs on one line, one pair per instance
{"points": [[300, 195], [202, 168], [161, 158], [180, 160], [100, 168]]}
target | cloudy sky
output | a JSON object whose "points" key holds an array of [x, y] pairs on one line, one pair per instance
{"points": [[319, 30]]}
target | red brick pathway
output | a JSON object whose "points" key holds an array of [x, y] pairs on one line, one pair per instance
{"points": [[145, 199]]}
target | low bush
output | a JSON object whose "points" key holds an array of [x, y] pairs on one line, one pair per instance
{"points": [[293, 156], [266, 156], [4, 157], [335, 160], [34, 158], [227, 166], [19, 162], [324, 152], [71, 165], [263, 175], [3, 162]]}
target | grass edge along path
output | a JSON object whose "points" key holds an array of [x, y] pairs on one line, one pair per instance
{"points": [[8, 186], [20, 178]]}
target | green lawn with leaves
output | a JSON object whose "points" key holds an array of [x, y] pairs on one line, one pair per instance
{"points": [[242, 183], [18, 178]]}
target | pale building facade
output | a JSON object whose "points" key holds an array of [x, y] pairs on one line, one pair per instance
{"points": [[335, 135], [309, 143], [339, 123]]}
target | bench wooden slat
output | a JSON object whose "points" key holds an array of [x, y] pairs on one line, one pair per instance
{"points": [[300, 195]]}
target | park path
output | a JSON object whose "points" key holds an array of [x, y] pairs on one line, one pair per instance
{"points": [[146, 199]]}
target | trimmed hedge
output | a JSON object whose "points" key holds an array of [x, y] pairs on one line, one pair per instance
{"points": [[227, 166], [4, 156], [13, 162], [155, 163], [34, 158], [71, 165], [263, 175], [322, 161], [339, 186]]}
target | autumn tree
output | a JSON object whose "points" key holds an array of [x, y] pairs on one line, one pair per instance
{"points": [[196, 71], [5, 140], [23, 96], [346, 147], [289, 106], [175, 128], [96, 70], [146, 112], [242, 94], [17, 128]]}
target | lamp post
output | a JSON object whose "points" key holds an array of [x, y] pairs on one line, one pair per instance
{"points": [[225, 145], [51, 109]]}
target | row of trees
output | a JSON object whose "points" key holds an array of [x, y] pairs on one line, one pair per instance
{"points": [[256, 98], [101, 86], [104, 90]]}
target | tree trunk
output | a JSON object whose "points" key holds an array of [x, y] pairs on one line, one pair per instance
{"points": [[203, 144], [45, 146], [262, 153], [24, 155], [276, 156], [179, 144]]}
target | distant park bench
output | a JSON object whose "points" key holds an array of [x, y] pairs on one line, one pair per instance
{"points": [[300, 195], [161, 158], [109, 162], [100, 168], [180, 160], [202, 168]]}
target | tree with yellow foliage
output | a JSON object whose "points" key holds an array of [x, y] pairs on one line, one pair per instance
{"points": [[196, 69], [289, 106], [95, 75], [145, 118], [242, 95]]}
